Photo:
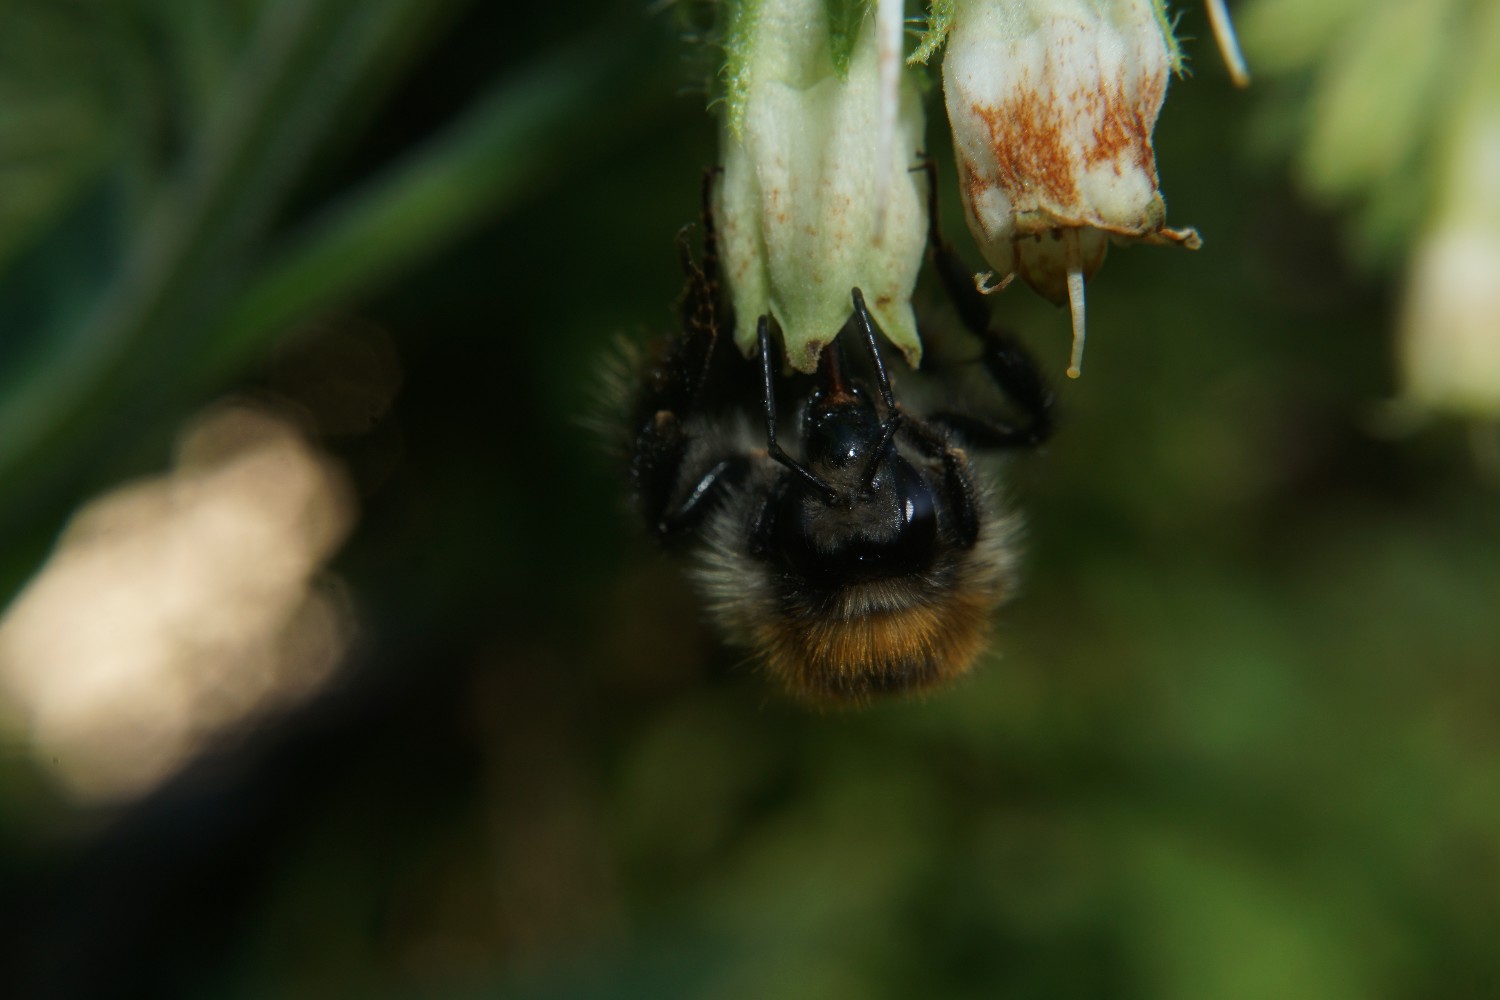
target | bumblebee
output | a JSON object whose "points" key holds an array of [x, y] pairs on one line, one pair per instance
{"points": [[854, 544]]}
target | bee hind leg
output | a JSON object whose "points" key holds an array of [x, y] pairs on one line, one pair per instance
{"points": [[670, 509], [1014, 372], [1009, 364]]}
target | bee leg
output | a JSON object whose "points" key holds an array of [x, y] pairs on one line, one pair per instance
{"points": [[768, 398], [673, 397], [957, 279], [1016, 375], [699, 310], [687, 365], [962, 499], [687, 515], [1009, 364], [656, 469]]}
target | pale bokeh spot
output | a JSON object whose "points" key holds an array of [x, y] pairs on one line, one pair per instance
{"points": [[177, 607]]}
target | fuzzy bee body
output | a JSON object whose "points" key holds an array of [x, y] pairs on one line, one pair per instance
{"points": [[831, 640], [868, 556]]}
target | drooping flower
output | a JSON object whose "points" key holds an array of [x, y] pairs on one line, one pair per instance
{"points": [[817, 196], [1402, 135], [1450, 338], [1052, 104]]}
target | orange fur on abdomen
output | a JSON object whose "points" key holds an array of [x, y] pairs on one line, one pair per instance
{"points": [[849, 658]]}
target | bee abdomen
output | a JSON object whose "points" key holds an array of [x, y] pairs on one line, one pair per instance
{"points": [[850, 659]]}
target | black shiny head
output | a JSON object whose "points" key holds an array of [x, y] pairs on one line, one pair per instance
{"points": [[854, 508], [887, 530], [840, 429]]}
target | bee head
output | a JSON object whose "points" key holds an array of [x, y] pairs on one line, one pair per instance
{"points": [[840, 429], [867, 512]]}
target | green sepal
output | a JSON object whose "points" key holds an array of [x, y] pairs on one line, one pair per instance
{"points": [[1168, 25], [939, 23], [844, 19], [743, 16]]}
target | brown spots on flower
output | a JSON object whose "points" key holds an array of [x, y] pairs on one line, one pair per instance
{"points": [[1122, 125], [1028, 136], [1040, 141]]}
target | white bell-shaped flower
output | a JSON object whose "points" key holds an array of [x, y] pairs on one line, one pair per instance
{"points": [[818, 196], [1052, 104]]}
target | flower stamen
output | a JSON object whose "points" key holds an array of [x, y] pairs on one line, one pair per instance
{"points": [[1229, 44], [1075, 299]]}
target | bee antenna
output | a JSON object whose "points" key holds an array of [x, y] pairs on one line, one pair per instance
{"points": [[892, 414], [763, 336], [887, 432], [868, 325]]}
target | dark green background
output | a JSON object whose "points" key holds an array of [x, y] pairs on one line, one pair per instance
{"points": [[1238, 738]]}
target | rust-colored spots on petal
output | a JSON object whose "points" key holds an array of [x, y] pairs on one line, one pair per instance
{"points": [[1028, 137], [1122, 125]]}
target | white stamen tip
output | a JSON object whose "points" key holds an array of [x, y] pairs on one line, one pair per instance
{"points": [[1229, 45], [1075, 300]]}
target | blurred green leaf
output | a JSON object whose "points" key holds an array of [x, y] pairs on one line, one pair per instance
{"points": [[481, 164], [57, 130], [214, 269]]}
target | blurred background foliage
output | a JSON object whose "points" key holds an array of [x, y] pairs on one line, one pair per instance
{"points": [[1240, 736]]}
